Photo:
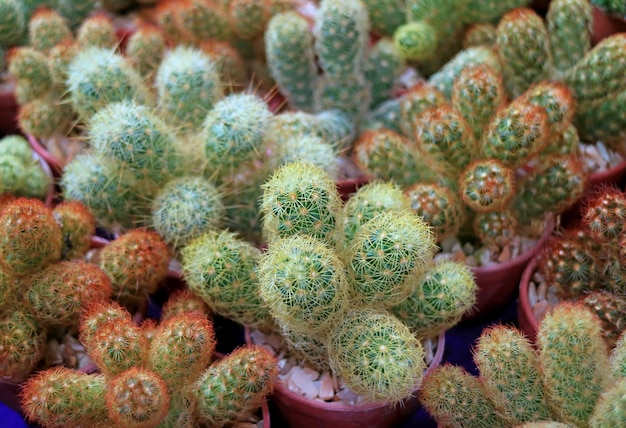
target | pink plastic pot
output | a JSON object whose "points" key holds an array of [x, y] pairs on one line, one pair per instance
{"points": [[497, 283], [299, 411], [525, 316]]}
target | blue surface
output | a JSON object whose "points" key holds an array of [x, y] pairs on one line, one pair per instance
{"points": [[10, 419]]}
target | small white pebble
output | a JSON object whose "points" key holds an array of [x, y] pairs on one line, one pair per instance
{"points": [[532, 294]]}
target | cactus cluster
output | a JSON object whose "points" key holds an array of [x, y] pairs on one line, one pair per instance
{"points": [[344, 281], [152, 375], [570, 378]]}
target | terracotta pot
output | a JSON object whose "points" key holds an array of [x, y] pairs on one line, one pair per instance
{"points": [[497, 283], [299, 411], [604, 25], [525, 317], [8, 110]]}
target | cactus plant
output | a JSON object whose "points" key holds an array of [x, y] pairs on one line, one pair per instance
{"points": [[78, 225], [22, 344]]}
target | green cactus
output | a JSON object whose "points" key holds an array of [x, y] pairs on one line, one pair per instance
{"points": [[46, 29], [201, 19], [134, 136], [490, 10], [611, 7], [383, 65], [30, 237], [59, 58], [235, 386], [483, 33], [385, 17], [387, 255], [574, 360], [16, 145], [30, 68], [99, 76], [415, 41], [97, 31], [145, 48], [496, 227], [220, 268], [22, 344], [184, 301], [523, 45], [59, 293], [300, 198], [556, 99], [611, 112], [188, 85], [46, 118], [445, 293], [75, 11], [456, 398], [181, 349], [13, 22], [610, 411], [304, 284], [618, 357], [311, 149], [137, 398], [64, 397], [605, 212], [508, 366], [377, 356], [385, 115], [186, 208], [137, 264], [487, 185], [570, 25], [439, 206], [248, 18], [78, 226], [418, 98], [13, 174], [368, 201], [611, 310]]}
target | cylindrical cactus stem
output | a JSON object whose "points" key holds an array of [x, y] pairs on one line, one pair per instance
{"points": [[368, 201], [46, 117], [477, 93], [146, 47], [13, 174], [415, 41], [232, 133], [22, 344], [445, 293], [98, 315], [489, 11], [574, 359], [444, 78], [387, 256], [137, 398], [201, 20], [509, 370], [132, 134], [444, 133], [377, 356], [611, 112], [30, 237], [418, 98], [65, 397], [496, 227], [383, 65], [181, 349], [233, 69], [456, 398], [487, 185], [568, 143], [290, 58], [59, 293], [75, 11], [248, 18], [97, 31], [570, 25], [30, 67], [439, 206], [137, 264], [186, 208], [184, 301], [78, 225], [350, 95], [483, 33], [99, 76], [385, 17], [46, 29], [385, 115], [610, 411], [523, 45], [300, 198], [554, 186], [188, 85], [103, 186], [341, 36], [59, 58], [336, 128], [611, 309], [235, 387], [604, 213], [517, 132], [618, 357], [600, 72], [304, 284], [16, 145], [220, 268], [13, 22]]}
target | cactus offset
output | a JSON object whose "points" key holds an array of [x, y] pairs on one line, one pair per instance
{"points": [[78, 225], [22, 345]]}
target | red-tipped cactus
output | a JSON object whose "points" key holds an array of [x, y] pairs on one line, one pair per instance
{"points": [[22, 343], [605, 213], [487, 185], [78, 225]]}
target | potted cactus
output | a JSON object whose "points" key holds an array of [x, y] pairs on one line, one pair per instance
{"points": [[609, 17], [571, 379]]}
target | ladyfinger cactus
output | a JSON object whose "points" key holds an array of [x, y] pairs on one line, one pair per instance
{"points": [[303, 282], [487, 185], [186, 208], [30, 237], [456, 398], [508, 367], [46, 29], [300, 198], [385, 17], [439, 299], [377, 356], [188, 85], [569, 26], [235, 386], [383, 65], [248, 18], [184, 301], [146, 47], [97, 31], [220, 268], [78, 225], [13, 22], [574, 360], [22, 344], [387, 256], [610, 411]]}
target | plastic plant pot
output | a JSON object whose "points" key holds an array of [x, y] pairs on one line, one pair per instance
{"points": [[525, 317], [605, 25]]}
